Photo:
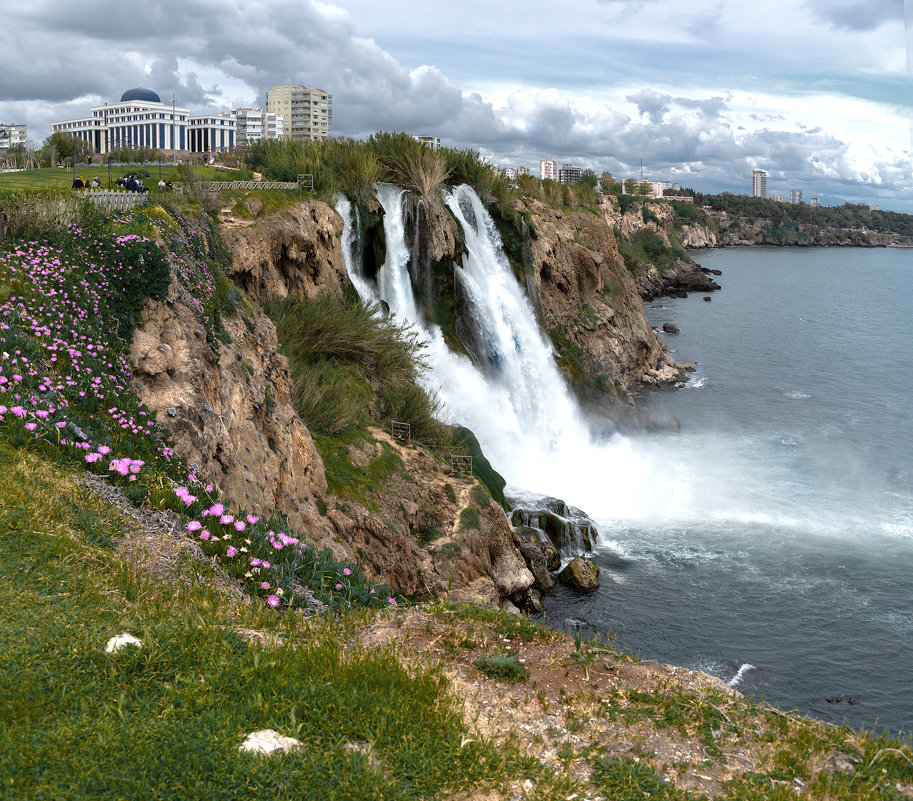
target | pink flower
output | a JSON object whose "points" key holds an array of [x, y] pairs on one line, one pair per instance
{"points": [[252, 519], [391, 601], [31, 426], [216, 509], [346, 571], [372, 591], [226, 519], [240, 525], [104, 450], [339, 586], [273, 600], [232, 551], [204, 534], [264, 585], [194, 525]]}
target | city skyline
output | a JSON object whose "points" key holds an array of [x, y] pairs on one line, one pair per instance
{"points": [[818, 97]]}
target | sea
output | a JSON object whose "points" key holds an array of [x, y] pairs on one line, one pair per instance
{"points": [[786, 565]]}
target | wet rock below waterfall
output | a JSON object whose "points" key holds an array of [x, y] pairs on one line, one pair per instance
{"points": [[533, 553], [580, 574]]}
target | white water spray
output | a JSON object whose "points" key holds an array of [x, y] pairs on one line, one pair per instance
{"points": [[520, 409]]}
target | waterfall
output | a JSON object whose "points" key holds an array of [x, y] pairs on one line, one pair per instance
{"points": [[517, 403]]}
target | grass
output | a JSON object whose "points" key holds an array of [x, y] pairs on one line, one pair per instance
{"points": [[59, 178], [166, 720]]}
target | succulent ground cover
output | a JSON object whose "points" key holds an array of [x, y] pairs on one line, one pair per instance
{"points": [[68, 305]]}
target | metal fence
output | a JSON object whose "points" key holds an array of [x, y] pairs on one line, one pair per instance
{"points": [[215, 186]]}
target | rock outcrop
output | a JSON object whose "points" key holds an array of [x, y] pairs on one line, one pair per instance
{"points": [[590, 305]]}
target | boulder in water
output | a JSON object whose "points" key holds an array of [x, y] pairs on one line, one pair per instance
{"points": [[670, 328], [580, 574], [534, 555]]}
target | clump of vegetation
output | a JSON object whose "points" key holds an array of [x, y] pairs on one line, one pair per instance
{"points": [[347, 358], [503, 667]]}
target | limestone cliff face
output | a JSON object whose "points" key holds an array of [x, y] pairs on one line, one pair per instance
{"points": [[590, 303], [698, 236], [418, 526], [295, 251]]}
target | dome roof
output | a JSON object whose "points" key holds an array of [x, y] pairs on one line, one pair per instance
{"points": [[146, 95]]}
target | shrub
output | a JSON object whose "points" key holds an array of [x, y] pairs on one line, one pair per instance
{"points": [[505, 667]]}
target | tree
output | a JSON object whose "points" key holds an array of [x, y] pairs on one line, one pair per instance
{"points": [[64, 147], [607, 181], [588, 178]]}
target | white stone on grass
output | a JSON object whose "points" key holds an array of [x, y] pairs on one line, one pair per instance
{"points": [[267, 741], [120, 641]]}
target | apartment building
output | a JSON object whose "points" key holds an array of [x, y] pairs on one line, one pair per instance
{"points": [[548, 169], [307, 114], [795, 196], [569, 174], [11, 135], [758, 183]]}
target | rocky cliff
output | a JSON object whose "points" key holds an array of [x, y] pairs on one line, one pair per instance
{"points": [[228, 405], [412, 521]]}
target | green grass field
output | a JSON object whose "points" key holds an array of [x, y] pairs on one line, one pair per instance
{"points": [[58, 178]]}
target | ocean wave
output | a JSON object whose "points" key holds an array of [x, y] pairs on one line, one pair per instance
{"points": [[796, 395]]}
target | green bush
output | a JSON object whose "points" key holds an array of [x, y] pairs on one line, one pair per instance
{"points": [[505, 667]]}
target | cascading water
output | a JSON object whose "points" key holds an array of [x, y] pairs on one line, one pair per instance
{"points": [[517, 402]]}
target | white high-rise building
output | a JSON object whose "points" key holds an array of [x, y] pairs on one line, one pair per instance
{"points": [[758, 183], [548, 169], [795, 196], [306, 113]]}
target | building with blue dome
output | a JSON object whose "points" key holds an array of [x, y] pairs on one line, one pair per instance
{"points": [[140, 94], [141, 120]]}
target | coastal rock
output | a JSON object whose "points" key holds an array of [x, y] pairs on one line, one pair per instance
{"points": [[580, 574], [670, 328], [535, 558]]}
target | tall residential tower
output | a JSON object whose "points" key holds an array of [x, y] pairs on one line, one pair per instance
{"points": [[306, 113], [758, 183]]}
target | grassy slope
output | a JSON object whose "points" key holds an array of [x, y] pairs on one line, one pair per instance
{"points": [[165, 721]]}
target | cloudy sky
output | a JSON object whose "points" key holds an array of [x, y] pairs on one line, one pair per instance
{"points": [[816, 92]]}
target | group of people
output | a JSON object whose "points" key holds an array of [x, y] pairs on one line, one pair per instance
{"points": [[129, 182], [132, 184]]}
